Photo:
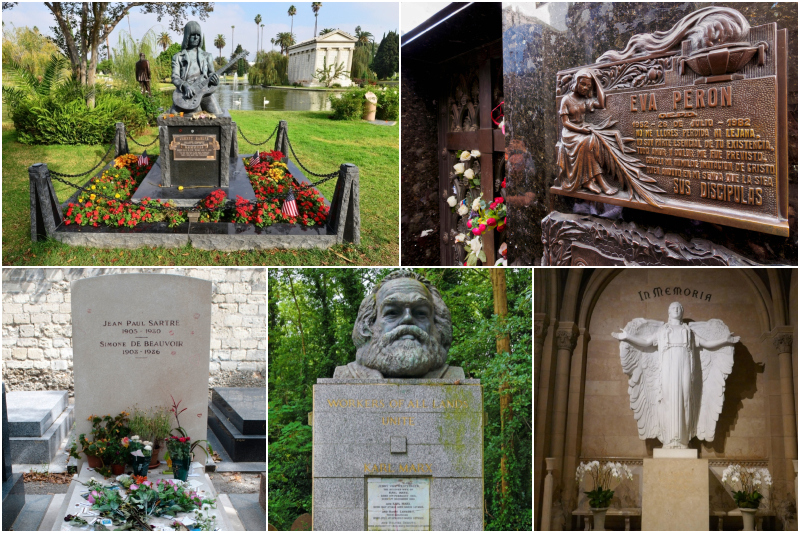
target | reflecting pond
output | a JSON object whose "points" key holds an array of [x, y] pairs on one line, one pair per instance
{"points": [[249, 98]]}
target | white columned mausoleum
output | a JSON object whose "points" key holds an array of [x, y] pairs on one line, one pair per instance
{"points": [[306, 57]]}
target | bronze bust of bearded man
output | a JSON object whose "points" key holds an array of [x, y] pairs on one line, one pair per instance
{"points": [[403, 330], [190, 64]]}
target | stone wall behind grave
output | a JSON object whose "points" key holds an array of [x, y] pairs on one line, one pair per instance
{"points": [[37, 326]]}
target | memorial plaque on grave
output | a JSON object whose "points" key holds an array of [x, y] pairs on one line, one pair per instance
{"points": [[195, 155], [690, 122], [141, 340], [398, 504]]}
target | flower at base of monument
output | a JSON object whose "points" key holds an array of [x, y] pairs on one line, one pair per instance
{"points": [[464, 156], [475, 153], [476, 204], [491, 222], [126, 441], [180, 187], [459, 168], [744, 483], [469, 174], [451, 201], [602, 477], [461, 237], [463, 209]]}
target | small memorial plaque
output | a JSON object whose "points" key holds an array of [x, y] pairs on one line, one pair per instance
{"points": [[194, 147], [398, 504], [691, 122]]}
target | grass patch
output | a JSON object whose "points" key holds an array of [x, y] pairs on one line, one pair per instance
{"points": [[321, 144]]}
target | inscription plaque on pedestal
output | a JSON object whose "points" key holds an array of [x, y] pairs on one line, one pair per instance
{"points": [[194, 147], [398, 504], [692, 122]]}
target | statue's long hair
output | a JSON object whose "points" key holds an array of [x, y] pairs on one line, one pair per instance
{"points": [[190, 29]]}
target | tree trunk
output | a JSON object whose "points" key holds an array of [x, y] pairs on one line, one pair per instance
{"points": [[503, 345], [97, 13], [299, 323]]}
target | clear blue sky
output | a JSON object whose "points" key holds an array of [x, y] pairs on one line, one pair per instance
{"points": [[375, 17]]}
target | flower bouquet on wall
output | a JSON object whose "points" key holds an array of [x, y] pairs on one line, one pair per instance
{"points": [[744, 483], [181, 448], [604, 477]]}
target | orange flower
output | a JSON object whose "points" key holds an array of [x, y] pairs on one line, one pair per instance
{"points": [[171, 115]]}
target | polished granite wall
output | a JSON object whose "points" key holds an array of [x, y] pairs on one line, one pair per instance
{"points": [[539, 39], [419, 171]]}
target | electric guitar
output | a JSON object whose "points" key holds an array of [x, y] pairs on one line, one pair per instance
{"points": [[201, 88]]}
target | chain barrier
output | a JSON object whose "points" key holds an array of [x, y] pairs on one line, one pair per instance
{"points": [[327, 176], [256, 144], [54, 173], [140, 144]]}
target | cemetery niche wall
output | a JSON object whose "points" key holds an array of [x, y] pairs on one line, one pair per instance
{"points": [[398, 433], [621, 170], [591, 401]]}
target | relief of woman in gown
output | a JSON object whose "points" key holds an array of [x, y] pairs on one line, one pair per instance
{"points": [[590, 153]]}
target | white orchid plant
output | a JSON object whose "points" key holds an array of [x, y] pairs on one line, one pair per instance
{"points": [[603, 476], [745, 483]]}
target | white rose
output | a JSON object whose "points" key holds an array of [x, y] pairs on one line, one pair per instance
{"points": [[459, 168], [148, 448], [135, 437], [452, 201], [463, 210], [465, 155], [476, 154], [469, 174], [475, 245], [460, 237], [476, 204]]}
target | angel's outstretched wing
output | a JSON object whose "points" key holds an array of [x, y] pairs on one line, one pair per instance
{"points": [[716, 365], [642, 365]]}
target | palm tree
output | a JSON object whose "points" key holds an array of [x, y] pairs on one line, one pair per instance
{"points": [[258, 21], [315, 7], [292, 12], [273, 41], [262, 37], [232, 39], [164, 40], [323, 31], [219, 42], [284, 40], [364, 37]]}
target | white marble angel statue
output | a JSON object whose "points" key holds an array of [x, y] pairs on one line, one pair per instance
{"points": [[677, 375]]}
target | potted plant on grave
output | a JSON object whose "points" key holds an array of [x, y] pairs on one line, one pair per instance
{"points": [[116, 456], [744, 483], [155, 425], [140, 453], [180, 448], [105, 430], [603, 478]]}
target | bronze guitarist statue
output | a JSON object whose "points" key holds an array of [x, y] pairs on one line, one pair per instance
{"points": [[190, 68]]}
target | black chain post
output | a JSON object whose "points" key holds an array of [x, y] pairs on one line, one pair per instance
{"points": [[45, 210], [257, 144], [120, 141]]}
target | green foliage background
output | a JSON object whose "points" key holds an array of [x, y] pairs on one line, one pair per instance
{"points": [[328, 301]]}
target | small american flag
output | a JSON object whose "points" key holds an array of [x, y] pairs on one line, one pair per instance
{"points": [[255, 160], [143, 160], [290, 206]]}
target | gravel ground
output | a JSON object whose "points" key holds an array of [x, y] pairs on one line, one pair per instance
{"points": [[235, 483]]}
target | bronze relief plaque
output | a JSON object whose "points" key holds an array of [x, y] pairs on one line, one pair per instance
{"points": [[691, 122], [191, 147]]}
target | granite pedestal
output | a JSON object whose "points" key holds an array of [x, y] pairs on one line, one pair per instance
{"points": [[397, 454], [238, 418], [675, 495]]}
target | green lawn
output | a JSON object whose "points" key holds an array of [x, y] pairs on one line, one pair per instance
{"points": [[322, 145]]}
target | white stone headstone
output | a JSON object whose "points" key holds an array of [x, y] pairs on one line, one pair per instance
{"points": [[137, 339]]}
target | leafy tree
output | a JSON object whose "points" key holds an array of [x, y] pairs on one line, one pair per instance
{"points": [[326, 301], [83, 27], [220, 43], [387, 59], [241, 67], [328, 74], [28, 48], [270, 69]]}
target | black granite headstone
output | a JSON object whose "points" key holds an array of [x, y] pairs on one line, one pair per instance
{"points": [[6, 441], [13, 485], [238, 417]]}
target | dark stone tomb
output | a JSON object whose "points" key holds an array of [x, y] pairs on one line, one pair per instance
{"points": [[238, 417]]}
